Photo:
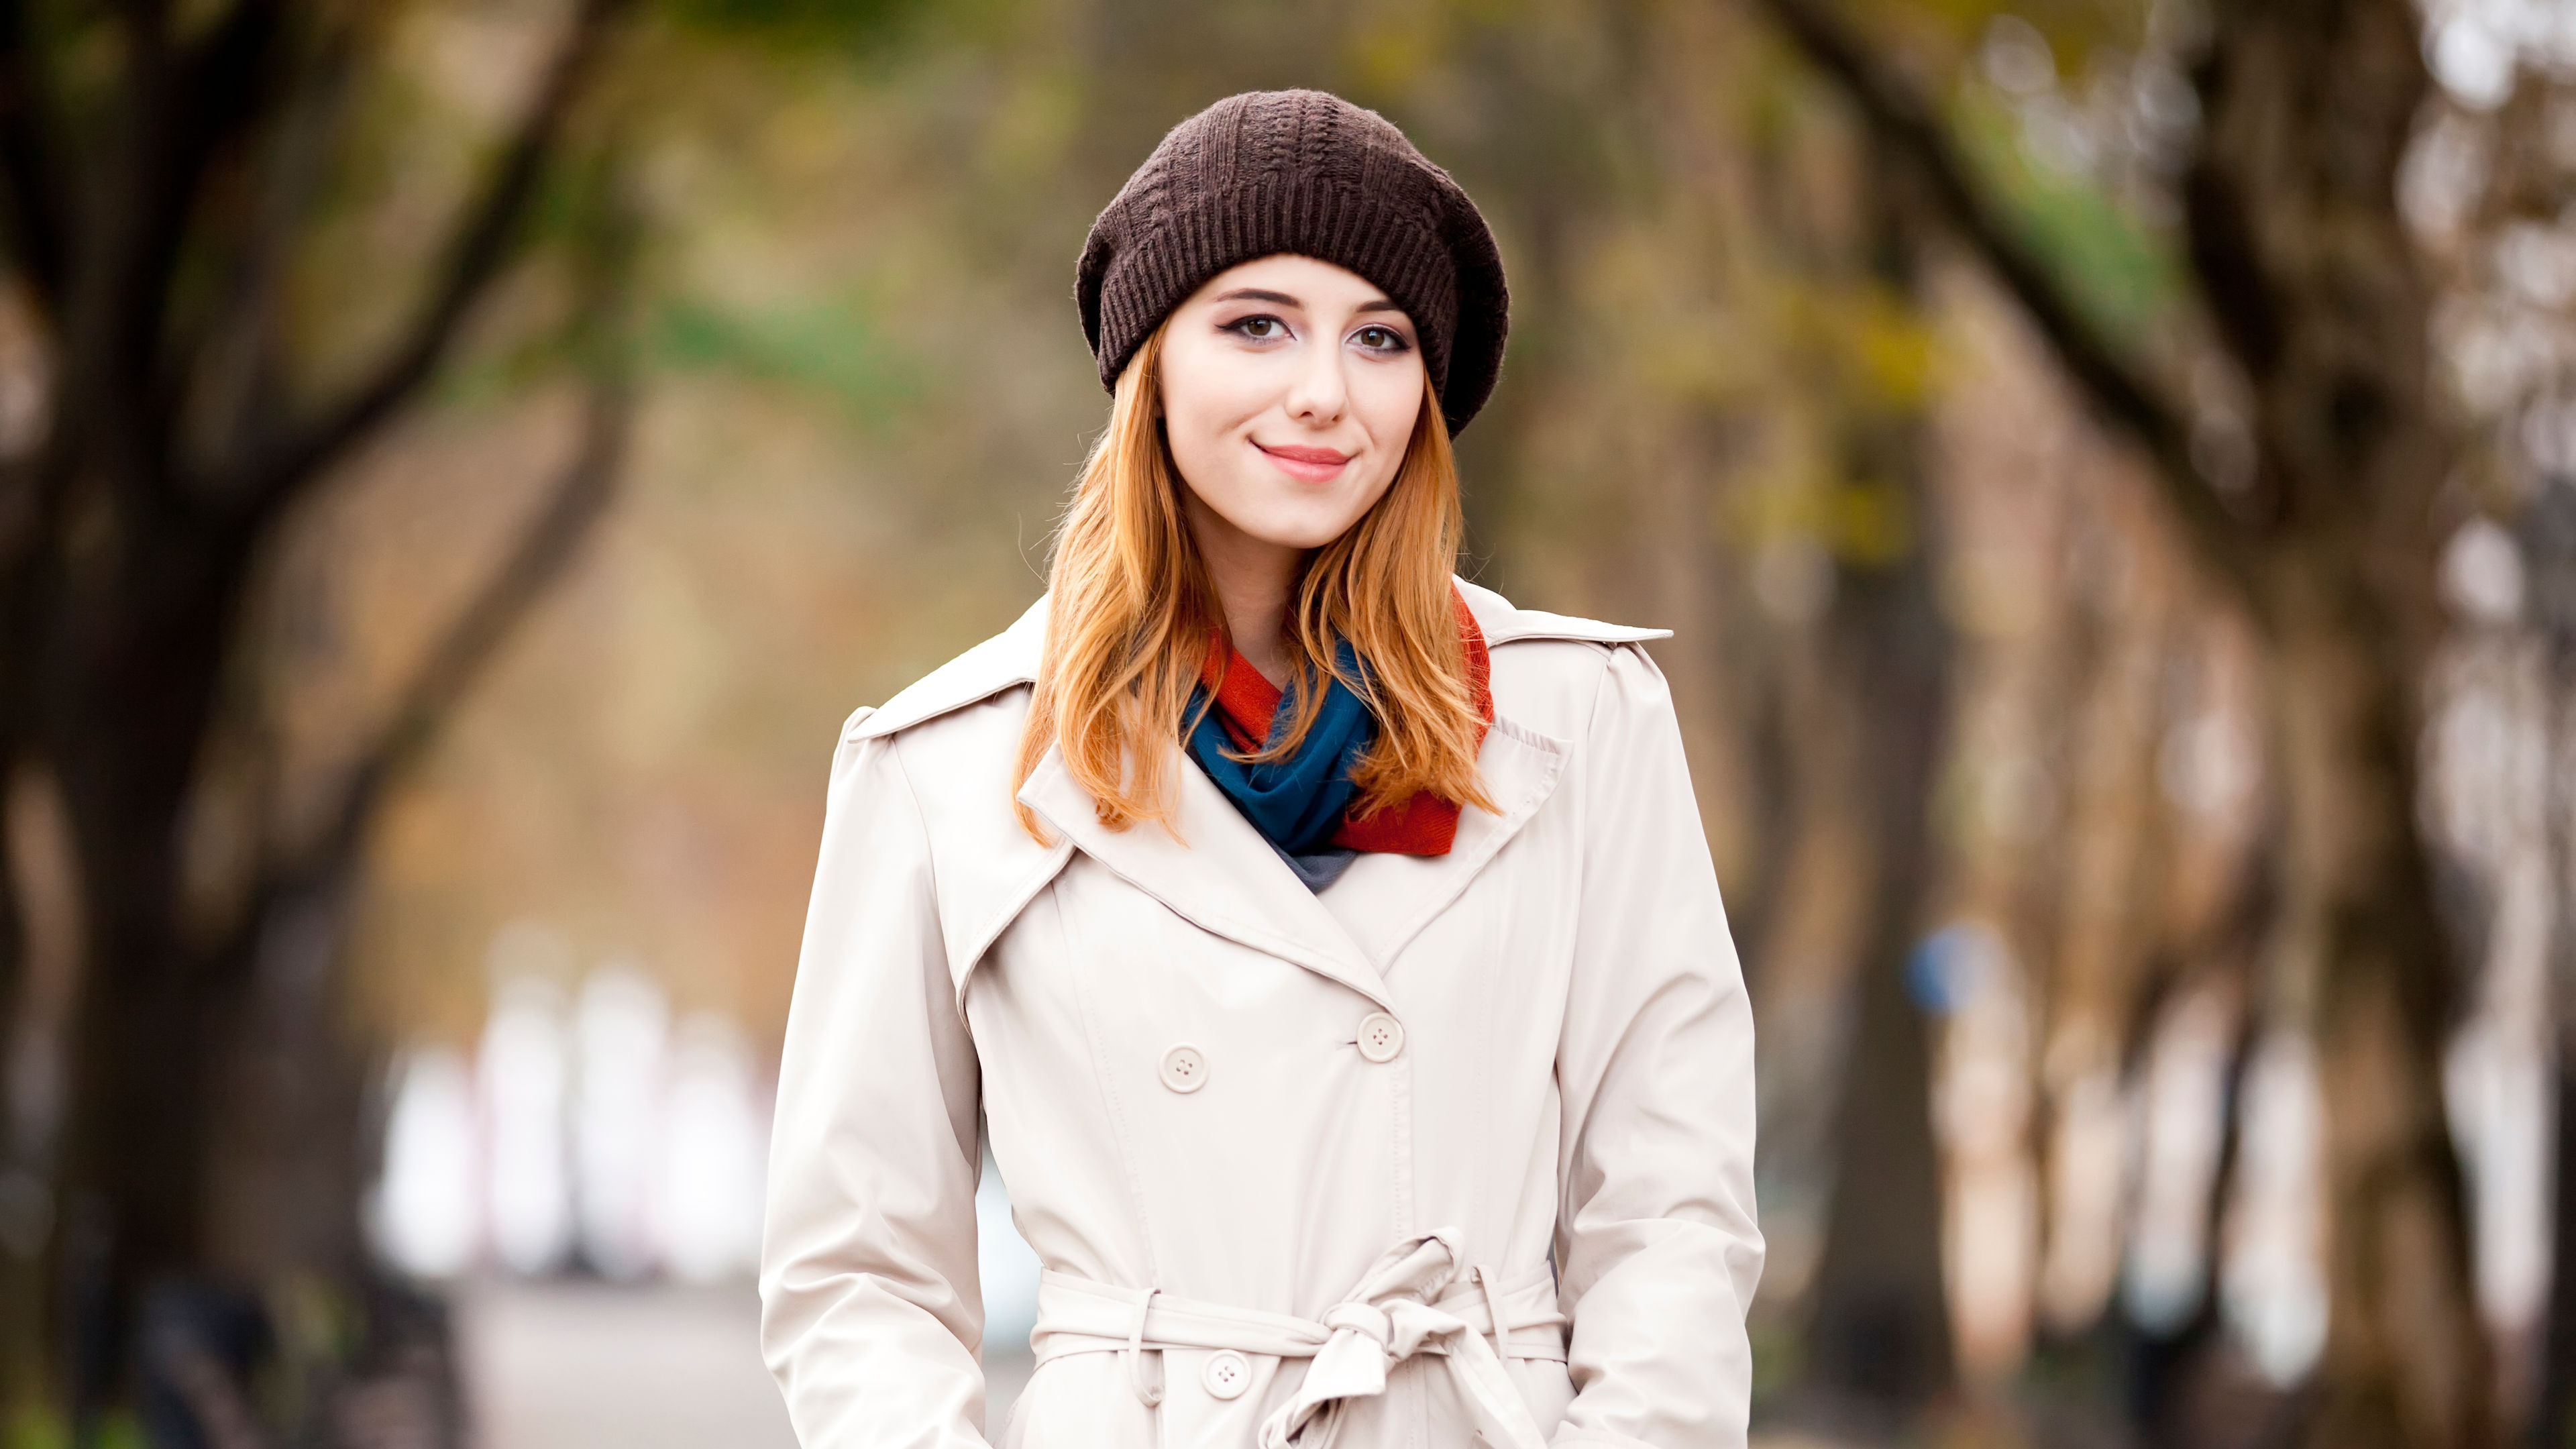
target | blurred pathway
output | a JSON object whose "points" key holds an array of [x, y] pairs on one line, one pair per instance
{"points": [[567, 1365], [571, 1365]]}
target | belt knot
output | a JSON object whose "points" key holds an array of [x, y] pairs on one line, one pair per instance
{"points": [[1365, 1319], [1388, 1318]]}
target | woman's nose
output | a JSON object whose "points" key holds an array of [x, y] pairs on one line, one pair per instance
{"points": [[1319, 394]]}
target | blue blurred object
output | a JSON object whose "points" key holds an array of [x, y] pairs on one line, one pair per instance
{"points": [[1951, 965]]}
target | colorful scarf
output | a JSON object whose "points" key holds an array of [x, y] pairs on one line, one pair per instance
{"points": [[1304, 804]]}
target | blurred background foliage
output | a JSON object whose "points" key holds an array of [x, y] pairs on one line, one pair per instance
{"points": [[1999, 764]]}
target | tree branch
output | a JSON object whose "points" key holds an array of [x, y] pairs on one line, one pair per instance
{"points": [[1907, 123], [226, 360], [475, 255], [190, 110], [579, 498]]}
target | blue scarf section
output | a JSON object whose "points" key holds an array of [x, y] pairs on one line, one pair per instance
{"points": [[1296, 803]]}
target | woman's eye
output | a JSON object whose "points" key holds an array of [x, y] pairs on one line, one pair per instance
{"points": [[1381, 339], [1261, 329]]}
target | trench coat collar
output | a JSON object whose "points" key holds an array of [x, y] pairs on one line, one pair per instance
{"points": [[1010, 658], [1212, 868]]}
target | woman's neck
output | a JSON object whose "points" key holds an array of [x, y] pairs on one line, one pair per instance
{"points": [[1252, 579]]}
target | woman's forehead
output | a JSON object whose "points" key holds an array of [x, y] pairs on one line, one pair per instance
{"points": [[1292, 279]]}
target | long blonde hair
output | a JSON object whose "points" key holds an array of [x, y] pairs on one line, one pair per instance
{"points": [[1130, 614]]}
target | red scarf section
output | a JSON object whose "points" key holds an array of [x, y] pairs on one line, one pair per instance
{"points": [[1426, 824]]}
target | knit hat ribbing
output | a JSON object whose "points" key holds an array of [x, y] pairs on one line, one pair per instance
{"points": [[1305, 172]]}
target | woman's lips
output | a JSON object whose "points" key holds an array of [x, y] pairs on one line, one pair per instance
{"points": [[1312, 465]]}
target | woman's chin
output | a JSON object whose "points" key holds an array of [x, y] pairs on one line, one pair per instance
{"points": [[1300, 532]]}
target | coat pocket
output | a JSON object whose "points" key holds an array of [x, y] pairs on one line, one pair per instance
{"points": [[1211, 1399], [1083, 1401]]}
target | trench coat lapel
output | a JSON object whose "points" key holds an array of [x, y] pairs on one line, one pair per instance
{"points": [[1212, 869], [1227, 880], [1384, 901], [1220, 875]]}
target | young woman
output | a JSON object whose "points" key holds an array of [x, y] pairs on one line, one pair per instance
{"points": [[1328, 950]]}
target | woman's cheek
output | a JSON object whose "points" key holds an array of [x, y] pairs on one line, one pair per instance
{"points": [[1392, 400], [1193, 428]]}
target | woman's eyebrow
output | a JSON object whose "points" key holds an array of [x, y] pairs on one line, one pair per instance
{"points": [[1282, 299], [1255, 294]]}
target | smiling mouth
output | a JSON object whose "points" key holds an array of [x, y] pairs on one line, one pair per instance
{"points": [[1312, 465]]}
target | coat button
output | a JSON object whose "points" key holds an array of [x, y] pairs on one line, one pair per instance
{"points": [[1184, 1070], [1381, 1037], [1227, 1374]]}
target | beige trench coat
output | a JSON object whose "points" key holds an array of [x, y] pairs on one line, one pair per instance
{"points": [[1458, 1152]]}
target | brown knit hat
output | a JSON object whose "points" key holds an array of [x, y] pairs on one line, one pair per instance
{"points": [[1306, 172]]}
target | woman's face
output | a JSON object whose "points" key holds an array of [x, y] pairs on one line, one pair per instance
{"points": [[1289, 388]]}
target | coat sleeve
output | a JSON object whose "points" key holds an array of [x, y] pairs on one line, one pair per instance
{"points": [[871, 1315], [1657, 1245]]}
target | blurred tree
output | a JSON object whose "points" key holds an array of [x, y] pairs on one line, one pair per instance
{"points": [[1878, 1330], [169, 177], [2488, 193], [2289, 206], [2549, 534]]}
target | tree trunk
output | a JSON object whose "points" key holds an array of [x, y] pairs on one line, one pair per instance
{"points": [[2553, 1422], [1881, 1329], [1880, 1334], [1880, 1337], [2406, 1359], [2548, 529], [2291, 205], [196, 149], [24, 1201], [143, 647], [288, 1167]]}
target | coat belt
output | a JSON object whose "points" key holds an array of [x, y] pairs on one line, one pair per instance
{"points": [[1414, 1300]]}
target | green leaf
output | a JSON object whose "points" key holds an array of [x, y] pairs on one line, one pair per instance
{"points": [[833, 349], [2119, 270]]}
